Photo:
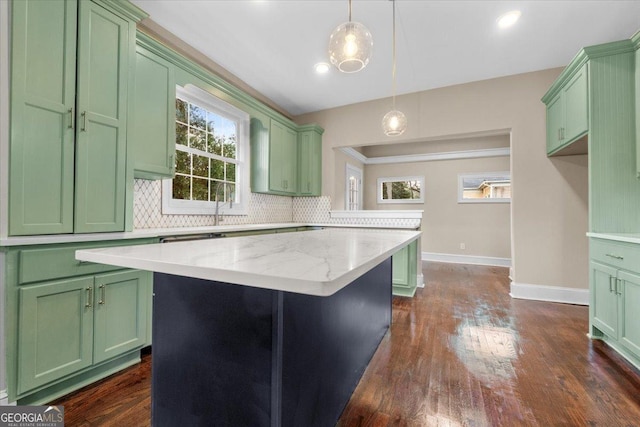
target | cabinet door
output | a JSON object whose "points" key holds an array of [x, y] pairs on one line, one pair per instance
{"points": [[604, 299], [276, 157], [576, 118], [310, 164], [120, 313], [43, 75], [283, 158], [55, 331], [630, 311], [103, 62], [153, 130], [289, 161], [400, 267], [555, 119]]}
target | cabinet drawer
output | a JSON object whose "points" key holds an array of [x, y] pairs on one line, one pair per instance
{"points": [[619, 254], [56, 261]]}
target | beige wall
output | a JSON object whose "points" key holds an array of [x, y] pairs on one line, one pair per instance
{"points": [[549, 205], [484, 228]]}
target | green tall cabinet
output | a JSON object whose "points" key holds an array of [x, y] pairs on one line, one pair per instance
{"points": [[71, 73], [599, 91]]}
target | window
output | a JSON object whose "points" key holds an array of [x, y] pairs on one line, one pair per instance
{"points": [[401, 189], [353, 192], [490, 187], [211, 156]]}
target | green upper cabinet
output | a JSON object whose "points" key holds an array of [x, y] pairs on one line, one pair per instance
{"points": [[68, 152], [153, 131], [102, 87], [310, 161], [283, 158], [43, 70], [567, 115]]}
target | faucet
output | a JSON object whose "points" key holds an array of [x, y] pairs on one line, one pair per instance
{"points": [[219, 185]]}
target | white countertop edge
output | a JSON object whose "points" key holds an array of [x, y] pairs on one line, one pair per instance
{"points": [[258, 280], [379, 214], [175, 231], [619, 237]]}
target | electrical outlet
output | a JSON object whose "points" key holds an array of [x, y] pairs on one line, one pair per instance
{"points": [[463, 246]]}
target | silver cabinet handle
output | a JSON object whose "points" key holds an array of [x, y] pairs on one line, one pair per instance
{"points": [[84, 121], [89, 302], [615, 256], [103, 298], [618, 286], [70, 118], [611, 285]]}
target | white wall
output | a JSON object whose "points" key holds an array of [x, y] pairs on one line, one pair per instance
{"points": [[484, 228], [549, 205]]}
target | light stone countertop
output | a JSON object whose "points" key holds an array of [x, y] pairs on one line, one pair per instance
{"points": [[318, 262], [619, 237], [164, 232]]}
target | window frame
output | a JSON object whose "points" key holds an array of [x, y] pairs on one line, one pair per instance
{"points": [[218, 106], [382, 180], [349, 169], [477, 175]]}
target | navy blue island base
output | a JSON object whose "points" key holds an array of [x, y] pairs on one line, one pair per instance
{"points": [[232, 355]]}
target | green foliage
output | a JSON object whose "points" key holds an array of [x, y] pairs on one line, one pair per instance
{"points": [[197, 175]]}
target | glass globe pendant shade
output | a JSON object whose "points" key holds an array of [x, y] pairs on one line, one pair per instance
{"points": [[350, 47], [394, 123]]}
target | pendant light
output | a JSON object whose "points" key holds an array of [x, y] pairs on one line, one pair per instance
{"points": [[350, 46], [394, 123]]}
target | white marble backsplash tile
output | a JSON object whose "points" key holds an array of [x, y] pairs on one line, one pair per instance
{"points": [[262, 209], [147, 210]]}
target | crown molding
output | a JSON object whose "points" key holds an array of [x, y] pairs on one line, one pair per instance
{"points": [[430, 157], [581, 58]]}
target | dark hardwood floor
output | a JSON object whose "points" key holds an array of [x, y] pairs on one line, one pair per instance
{"points": [[461, 353]]}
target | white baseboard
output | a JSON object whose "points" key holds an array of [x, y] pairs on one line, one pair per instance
{"points": [[466, 259], [420, 280], [4, 398], [549, 293]]}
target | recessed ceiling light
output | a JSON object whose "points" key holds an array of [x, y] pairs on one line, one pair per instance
{"points": [[509, 18], [321, 68]]}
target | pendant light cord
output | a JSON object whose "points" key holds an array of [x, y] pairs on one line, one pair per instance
{"points": [[393, 72], [349, 10]]}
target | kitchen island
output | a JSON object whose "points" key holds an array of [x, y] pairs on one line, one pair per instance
{"points": [[269, 330]]}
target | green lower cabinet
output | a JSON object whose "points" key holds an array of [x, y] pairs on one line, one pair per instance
{"points": [[630, 311], [120, 309], [604, 299], [69, 325], [615, 296], [404, 270], [56, 330]]}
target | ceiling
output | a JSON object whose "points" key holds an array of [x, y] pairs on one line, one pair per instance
{"points": [[272, 45]]}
